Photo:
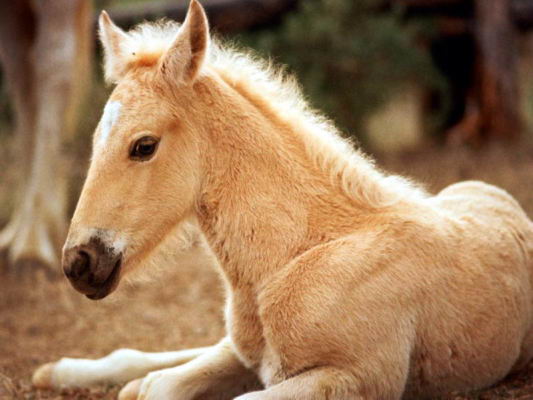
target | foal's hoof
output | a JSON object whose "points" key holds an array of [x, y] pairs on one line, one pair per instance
{"points": [[131, 390], [42, 377]]}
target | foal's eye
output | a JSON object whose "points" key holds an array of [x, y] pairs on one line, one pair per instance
{"points": [[144, 148]]}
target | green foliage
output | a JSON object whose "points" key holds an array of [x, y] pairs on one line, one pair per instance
{"points": [[349, 55]]}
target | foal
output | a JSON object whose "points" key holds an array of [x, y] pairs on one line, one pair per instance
{"points": [[342, 283]]}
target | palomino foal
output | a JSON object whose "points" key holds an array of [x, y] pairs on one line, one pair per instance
{"points": [[342, 283]]}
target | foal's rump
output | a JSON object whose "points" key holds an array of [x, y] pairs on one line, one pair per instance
{"points": [[490, 225], [488, 213], [483, 199], [492, 214], [487, 292]]}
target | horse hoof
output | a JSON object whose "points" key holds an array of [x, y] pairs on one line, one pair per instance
{"points": [[131, 390], [42, 377]]}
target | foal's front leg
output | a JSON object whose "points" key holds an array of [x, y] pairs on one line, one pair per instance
{"points": [[216, 374], [118, 367]]}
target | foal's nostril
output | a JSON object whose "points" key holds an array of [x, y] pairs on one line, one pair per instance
{"points": [[80, 265], [93, 268]]}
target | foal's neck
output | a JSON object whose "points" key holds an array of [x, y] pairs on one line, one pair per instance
{"points": [[263, 200]]}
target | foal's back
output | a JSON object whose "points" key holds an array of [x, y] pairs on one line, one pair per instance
{"points": [[477, 324]]}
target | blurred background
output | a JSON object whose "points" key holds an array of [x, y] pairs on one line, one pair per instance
{"points": [[396, 75], [439, 90]]}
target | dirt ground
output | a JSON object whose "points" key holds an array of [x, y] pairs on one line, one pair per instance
{"points": [[43, 320]]}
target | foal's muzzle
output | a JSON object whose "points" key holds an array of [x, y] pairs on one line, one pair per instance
{"points": [[92, 268]]}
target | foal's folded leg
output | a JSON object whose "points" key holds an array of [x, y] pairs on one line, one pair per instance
{"points": [[316, 384], [216, 374], [118, 367], [327, 383]]}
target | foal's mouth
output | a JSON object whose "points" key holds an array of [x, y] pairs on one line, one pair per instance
{"points": [[109, 285]]}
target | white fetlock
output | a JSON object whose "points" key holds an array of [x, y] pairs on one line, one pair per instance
{"points": [[7, 235], [31, 236], [33, 242]]}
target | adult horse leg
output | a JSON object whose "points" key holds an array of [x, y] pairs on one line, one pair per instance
{"points": [[118, 367], [60, 56], [17, 20]]}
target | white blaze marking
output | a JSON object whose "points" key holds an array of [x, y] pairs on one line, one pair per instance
{"points": [[110, 117]]}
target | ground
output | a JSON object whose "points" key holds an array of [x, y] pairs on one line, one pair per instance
{"points": [[42, 320]]}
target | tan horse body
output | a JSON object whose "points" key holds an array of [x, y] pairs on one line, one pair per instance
{"points": [[342, 283]]}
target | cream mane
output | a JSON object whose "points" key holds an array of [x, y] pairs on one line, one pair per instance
{"points": [[348, 167]]}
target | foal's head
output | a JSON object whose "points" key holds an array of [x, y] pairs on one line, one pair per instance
{"points": [[143, 177]]}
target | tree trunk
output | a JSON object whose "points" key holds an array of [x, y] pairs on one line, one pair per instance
{"points": [[492, 106], [495, 38], [499, 104], [497, 70]]}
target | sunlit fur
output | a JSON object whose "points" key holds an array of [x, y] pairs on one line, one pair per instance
{"points": [[342, 282], [280, 93]]}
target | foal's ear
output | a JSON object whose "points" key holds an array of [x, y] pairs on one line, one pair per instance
{"points": [[113, 41], [184, 59]]}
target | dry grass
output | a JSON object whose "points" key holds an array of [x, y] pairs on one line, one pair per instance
{"points": [[41, 321]]}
